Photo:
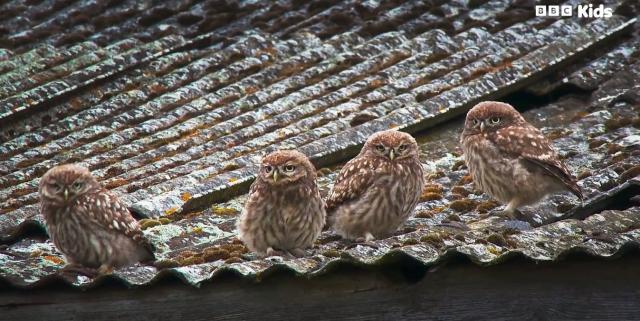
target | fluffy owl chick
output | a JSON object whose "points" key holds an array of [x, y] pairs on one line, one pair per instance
{"points": [[511, 160], [284, 212], [377, 191], [88, 223]]}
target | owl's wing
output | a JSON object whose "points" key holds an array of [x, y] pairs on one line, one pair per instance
{"points": [[536, 152], [354, 179], [107, 211]]}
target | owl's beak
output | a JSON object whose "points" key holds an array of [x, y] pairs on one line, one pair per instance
{"points": [[482, 126], [275, 176], [391, 154], [66, 194]]}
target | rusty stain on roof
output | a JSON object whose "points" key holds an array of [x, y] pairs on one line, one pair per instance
{"points": [[172, 105]]}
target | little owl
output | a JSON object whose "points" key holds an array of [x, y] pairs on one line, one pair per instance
{"points": [[377, 191], [88, 223], [284, 213], [511, 160]]}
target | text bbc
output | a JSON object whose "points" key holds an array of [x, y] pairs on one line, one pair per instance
{"points": [[582, 10]]}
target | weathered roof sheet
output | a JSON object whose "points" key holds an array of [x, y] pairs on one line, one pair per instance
{"points": [[174, 120]]}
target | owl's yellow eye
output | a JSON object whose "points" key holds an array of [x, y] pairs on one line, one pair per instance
{"points": [[289, 168], [402, 147], [268, 169], [56, 187], [495, 120], [77, 185], [380, 148], [475, 122]]}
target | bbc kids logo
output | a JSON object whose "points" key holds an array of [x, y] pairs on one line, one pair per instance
{"points": [[582, 10]]}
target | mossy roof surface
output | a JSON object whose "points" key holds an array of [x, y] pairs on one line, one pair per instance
{"points": [[172, 109]]}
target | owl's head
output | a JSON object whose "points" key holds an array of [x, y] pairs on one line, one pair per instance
{"points": [[489, 116], [62, 184], [286, 167], [391, 145]]}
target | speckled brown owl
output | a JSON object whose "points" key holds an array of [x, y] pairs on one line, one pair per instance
{"points": [[511, 160], [88, 223], [377, 191], [284, 212]]}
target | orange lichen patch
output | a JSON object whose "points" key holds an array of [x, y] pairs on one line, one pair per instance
{"points": [[197, 230], [193, 214], [557, 133], [185, 196], [459, 237], [493, 250], [460, 190], [486, 206], [497, 239], [171, 211], [230, 166], [618, 157], [458, 165], [630, 173], [224, 211], [410, 242], [584, 174], [324, 171], [116, 182], [148, 223], [21, 192], [596, 142], [331, 253], [192, 260], [28, 162], [187, 253], [425, 214], [378, 82], [465, 180], [453, 218], [436, 175], [166, 264], [164, 220], [435, 238], [579, 115], [463, 205], [233, 259], [617, 122], [430, 196], [433, 188], [54, 259], [564, 207], [211, 254]]}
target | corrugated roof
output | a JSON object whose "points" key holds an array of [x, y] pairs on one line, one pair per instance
{"points": [[174, 119]]}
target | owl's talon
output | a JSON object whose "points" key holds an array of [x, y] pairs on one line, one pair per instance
{"points": [[364, 241], [273, 252]]}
